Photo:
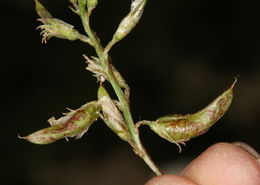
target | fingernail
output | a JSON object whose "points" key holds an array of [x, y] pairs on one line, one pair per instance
{"points": [[248, 149]]}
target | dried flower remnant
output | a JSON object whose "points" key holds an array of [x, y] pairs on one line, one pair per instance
{"points": [[74, 124], [180, 128], [57, 28], [53, 27], [99, 72]]}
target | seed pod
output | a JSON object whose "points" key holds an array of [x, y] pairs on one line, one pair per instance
{"points": [[41, 10], [128, 23], [74, 124], [180, 128], [112, 117], [57, 28]]}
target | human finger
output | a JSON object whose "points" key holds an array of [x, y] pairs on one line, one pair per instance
{"points": [[169, 180], [224, 164]]}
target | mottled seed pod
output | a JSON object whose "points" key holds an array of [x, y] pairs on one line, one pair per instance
{"points": [[74, 124], [180, 128], [112, 116]]}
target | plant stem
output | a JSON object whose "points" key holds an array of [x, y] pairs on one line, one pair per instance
{"points": [[84, 15], [104, 58], [130, 124]]}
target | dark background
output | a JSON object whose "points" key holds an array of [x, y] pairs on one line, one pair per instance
{"points": [[180, 57]]}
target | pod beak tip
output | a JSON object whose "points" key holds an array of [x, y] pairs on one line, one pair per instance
{"points": [[235, 81], [20, 137]]}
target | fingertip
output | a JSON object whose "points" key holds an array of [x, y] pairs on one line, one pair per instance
{"points": [[223, 164], [169, 180]]}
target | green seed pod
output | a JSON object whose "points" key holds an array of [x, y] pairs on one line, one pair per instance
{"points": [[74, 124], [130, 21], [41, 10], [112, 116], [57, 28], [180, 128]]}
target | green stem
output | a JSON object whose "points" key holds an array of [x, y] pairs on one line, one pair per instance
{"points": [[94, 39], [130, 124], [104, 57]]}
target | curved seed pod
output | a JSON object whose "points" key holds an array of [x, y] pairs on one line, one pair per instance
{"points": [[180, 128], [74, 124], [112, 117]]}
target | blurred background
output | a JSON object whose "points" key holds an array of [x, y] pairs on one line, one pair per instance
{"points": [[180, 57]]}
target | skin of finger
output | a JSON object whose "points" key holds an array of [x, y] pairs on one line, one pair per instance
{"points": [[224, 164], [169, 180]]}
